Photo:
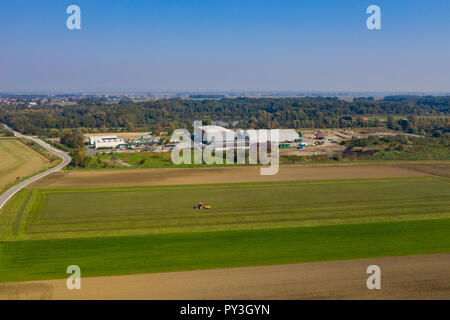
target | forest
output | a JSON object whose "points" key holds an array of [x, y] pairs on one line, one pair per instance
{"points": [[426, 115]]}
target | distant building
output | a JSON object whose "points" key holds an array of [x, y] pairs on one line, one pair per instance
{"points": [[216, 134], [217, 137], [92, 139], [145, 137], [105, 141], [264, 135], [288, 135]]}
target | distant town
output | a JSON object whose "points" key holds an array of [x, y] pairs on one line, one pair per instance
{"points": [[36, 99]]}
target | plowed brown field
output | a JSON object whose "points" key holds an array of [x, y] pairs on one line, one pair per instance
{"points": [[410, 277], [238, 174]]}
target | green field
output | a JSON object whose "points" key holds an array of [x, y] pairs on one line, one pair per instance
{"points": [[92, 212], [128, 230], [48, 259], [144, 160]]}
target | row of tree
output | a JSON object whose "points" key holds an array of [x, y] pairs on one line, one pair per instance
{"points": [[167, 115], [427, 126]]}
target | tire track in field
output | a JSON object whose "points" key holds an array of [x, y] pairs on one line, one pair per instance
{"points": [[19, 215]]}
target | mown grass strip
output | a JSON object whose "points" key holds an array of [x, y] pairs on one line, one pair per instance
{"points": [[151, 210], [19, 215], [48, 259]]}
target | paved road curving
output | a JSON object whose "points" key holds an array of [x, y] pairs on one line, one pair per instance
{"points": [[4, 197]]}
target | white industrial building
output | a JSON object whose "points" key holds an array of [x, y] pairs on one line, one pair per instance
{"points": [[217, 134], [264, 135], [92, 139], [105, 141], [217, 137], [288, 135]]}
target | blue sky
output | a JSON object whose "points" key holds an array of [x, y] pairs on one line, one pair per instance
{"points": [[213, 45]]}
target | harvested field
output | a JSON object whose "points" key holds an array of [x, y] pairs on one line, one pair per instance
{"points": [[18, 161], [437, 169], [410, 277], [177, 176]]}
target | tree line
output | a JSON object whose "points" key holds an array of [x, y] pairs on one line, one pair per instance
{"points": [[166, 115]]}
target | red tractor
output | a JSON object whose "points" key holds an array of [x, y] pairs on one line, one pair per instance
{"points": [[200, 206]]}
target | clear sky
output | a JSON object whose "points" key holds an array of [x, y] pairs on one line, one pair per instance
{"points": [[210, 45]]}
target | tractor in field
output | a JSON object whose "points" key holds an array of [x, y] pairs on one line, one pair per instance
{"points": [[200, 206]]}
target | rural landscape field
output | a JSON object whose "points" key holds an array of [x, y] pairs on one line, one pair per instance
{"points": [[135, 222], [18, 161], [235, 151], [80, 212], [126, 230]]}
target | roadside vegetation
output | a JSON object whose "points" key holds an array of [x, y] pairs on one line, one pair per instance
{"points": [[20, 159], [5, 132], [72, 141], [398, 148], [36, 147]]}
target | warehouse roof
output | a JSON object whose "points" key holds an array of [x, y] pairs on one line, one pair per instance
{"points": [[217, 132], [216, 129]]}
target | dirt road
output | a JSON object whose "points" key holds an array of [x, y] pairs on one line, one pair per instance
{"points": [[238, 174], [411, 277]]}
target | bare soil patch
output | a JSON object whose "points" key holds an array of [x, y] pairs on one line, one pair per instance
{"points": [[327, 149], [437, 169], [176, 176], [410, 277]]}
